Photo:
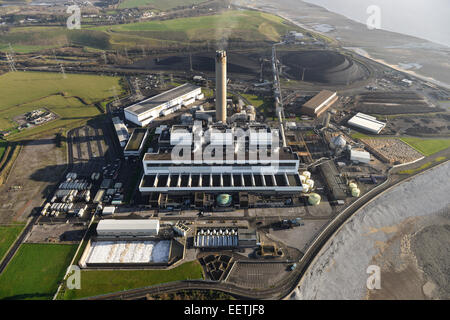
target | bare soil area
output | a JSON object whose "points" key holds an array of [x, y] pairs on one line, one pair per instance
{"points": [[39, 165]]}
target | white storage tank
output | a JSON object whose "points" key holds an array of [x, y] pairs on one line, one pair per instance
{"points": [[307, 174], [310, 183], [306, 188]]}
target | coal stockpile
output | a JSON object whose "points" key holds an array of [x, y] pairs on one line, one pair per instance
{"points": [[244, 64], [322, 66], [389, 103]]}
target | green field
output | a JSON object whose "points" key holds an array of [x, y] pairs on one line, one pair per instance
{"points": [[157, 4], [243, 25], [8, 234], [71, 98], [427, 147], [35, 271], [97, 282]]}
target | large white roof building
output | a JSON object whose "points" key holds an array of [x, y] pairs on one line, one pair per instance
{"points": [[144, 112], [366, 122], [137, 227]]}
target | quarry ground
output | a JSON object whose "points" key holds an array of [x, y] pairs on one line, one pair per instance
{"points": [[404, 231]]}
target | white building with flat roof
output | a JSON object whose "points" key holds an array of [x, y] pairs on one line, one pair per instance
{"points": [[119, 227], [367, 123], [359, 156], [144, 112], [121, 130]]}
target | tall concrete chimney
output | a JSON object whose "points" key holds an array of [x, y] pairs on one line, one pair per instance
{"points": [[221, 86]]}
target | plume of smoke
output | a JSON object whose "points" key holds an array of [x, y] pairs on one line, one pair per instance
{"points": [[224, 26]]}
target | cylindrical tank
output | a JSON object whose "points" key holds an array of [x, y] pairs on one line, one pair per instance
{"points": [[307, 174], [306, 188], [356, 192], [302, 179], [314, 199], [352, 185], [310, 183]]}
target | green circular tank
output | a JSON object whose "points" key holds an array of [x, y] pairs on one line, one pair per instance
{"points": [[314, 199], [356, 192], [352, 185], [224, 200]]}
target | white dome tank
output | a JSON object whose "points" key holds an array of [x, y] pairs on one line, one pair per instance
{"points": [[306, 188], [310, 183], [338, 142], [307, 174], [302, 179]]}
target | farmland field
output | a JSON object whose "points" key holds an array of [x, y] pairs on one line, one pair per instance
{"points": [[8, 235], [35, 271], [71, 99], [96, 282]]}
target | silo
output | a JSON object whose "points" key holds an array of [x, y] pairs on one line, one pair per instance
{"points": [[307, 174], [221, 86], [356, 192], [314, 199]]}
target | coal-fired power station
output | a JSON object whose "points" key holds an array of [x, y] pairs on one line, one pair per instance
{"points": [[221, 86]]}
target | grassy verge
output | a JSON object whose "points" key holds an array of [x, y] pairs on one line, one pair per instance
{"points": [[97, 282], [9, 234], [35, 271], [263, 105], [427, 147], [423, 167]]}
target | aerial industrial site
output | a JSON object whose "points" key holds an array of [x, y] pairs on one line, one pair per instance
{"points": [[216, 150]]}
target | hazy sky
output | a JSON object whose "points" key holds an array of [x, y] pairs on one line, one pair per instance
{"points": [[427, 19]]}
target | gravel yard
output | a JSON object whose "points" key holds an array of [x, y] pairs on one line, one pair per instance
{"points": [[394, 149]]}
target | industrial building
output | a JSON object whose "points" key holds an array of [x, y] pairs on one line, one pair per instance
{"points": [[320, 103], [136, 143], [121, 130], [216, 238], [334, 182], [128, 228], [367, 123], [359, 156], [144, 112], [243, 165]]}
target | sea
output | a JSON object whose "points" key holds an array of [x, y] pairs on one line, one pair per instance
{"points": [[426, 19]]}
